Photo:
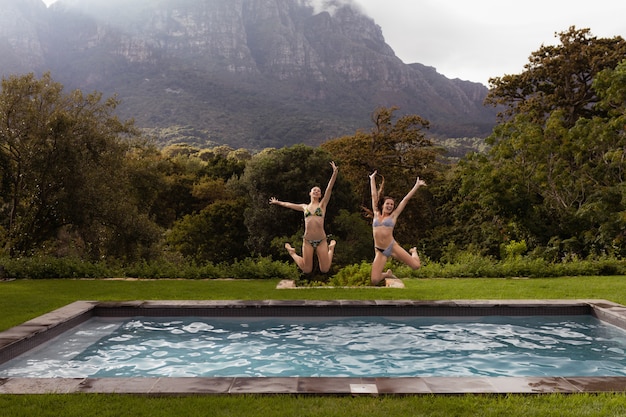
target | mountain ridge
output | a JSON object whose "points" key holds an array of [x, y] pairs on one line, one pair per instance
{"points": [[245, 73]]}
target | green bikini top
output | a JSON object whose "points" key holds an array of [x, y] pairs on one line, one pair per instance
{"points": [[318, 212]]}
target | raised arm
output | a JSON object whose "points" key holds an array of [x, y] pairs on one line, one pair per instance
{"points": [[293, 206], [405, 200], [329, 187], [374, 192]]}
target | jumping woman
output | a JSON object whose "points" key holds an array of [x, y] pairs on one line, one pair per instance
{"points": [[386, 215], [314, 235]]}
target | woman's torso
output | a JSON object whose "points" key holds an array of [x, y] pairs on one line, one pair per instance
{"points": [[314, 222], [382, 229]]}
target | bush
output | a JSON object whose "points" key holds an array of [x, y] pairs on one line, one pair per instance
{"points": [[41, 267], [465, 265], [261, 268], [353, 276]]}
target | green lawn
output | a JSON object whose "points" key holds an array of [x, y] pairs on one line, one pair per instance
{"points": [[22, 300]]}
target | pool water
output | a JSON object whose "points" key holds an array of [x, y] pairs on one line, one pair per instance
{"points": [[329, 347]]}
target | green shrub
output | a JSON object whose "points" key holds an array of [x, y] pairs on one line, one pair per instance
{"points": [[261, 268], [468, 264], [41, 267], [516, 266], [465, 265], [513, 249], [205, 271], [353, 276]]}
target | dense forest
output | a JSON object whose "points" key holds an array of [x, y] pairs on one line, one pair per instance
{"points": [[75, 181]]}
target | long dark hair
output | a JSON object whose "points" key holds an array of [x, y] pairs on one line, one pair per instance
{"points": [[381, 202]]}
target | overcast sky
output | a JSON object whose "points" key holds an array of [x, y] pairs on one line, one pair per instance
{"points": [[477, 39]]}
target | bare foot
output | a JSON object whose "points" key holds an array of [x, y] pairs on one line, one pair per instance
{"points": [[332, 244], [413, 250], [290, 249], [382, 281], [389, 274]]}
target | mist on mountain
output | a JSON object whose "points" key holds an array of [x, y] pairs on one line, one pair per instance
{"points": [[245, 73]]}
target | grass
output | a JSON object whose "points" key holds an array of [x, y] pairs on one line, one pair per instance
{"points": [[22, 300], [301, 406]]}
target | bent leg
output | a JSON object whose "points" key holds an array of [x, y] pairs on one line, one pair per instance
{"points": [[378, 265], [304, 262], [325, 253], [411, 259]]}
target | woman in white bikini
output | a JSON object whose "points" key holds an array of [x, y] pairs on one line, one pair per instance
{"points": [[385, 217], [314, 234]]}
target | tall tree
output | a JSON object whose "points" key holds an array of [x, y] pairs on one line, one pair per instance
{"points": [[216, 234], [199, 203], [559, 77], [288, 174], [62, 164], [546, 179], [398, 149]]}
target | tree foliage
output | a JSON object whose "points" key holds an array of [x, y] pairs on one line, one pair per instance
{"points": [[216, 234], [208, 224], [63, 172], [288, 174], [554, 176], [559, 77], [75, 180], [398, 149]]}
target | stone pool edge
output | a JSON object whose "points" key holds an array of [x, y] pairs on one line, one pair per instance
{"points": [[37, 330]]}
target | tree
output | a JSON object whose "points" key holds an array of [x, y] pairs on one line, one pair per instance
{"points": [[394, 147], [63, 171], [553, 177], [198, 202], [399, 150], [559, 78], [216, 234], [288, 174]]}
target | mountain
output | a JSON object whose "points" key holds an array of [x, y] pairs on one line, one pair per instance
{"points": [[246, 73]]}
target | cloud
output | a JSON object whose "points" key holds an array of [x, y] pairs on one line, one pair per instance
{"points": [[330, 6], [476, 40]]}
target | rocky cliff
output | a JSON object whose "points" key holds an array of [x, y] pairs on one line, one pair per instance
{"points": [[247, 73]]}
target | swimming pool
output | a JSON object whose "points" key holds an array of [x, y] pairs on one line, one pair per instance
{"points": [[492, 346], [576, 323]]}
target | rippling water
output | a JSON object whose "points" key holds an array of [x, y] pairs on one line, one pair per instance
{"points": [[353, 346]]}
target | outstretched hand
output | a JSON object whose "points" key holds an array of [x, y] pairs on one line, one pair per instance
{"points": [[273, 200], [373, 174], [335, 167], [419, 182]]}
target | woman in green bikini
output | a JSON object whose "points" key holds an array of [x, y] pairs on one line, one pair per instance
{"points": [[385, 217], [314, 234]]}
